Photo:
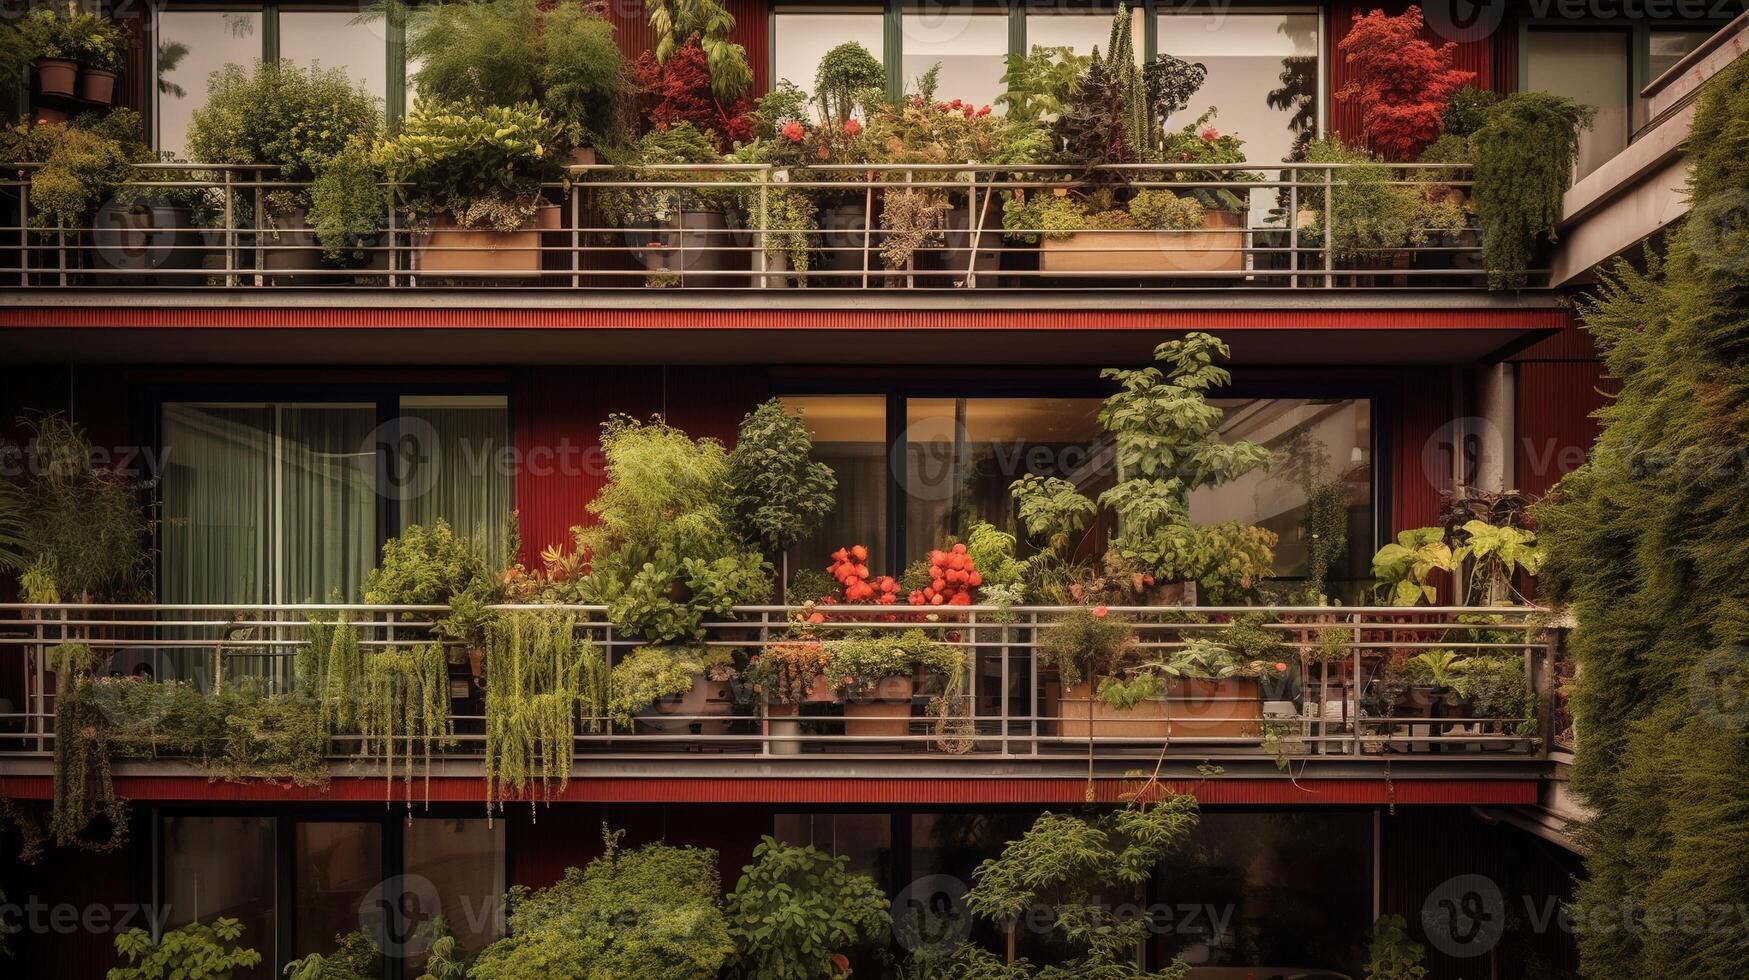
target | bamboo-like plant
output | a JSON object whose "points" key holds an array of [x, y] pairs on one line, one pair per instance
{"points": [[403, 711]]}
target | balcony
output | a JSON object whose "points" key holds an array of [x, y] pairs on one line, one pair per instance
{"points": [[193, 228], [1338, 704]]}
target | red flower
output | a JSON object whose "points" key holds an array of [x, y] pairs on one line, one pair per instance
{"points": [[983, 110], [1280, 667], [1100, 611], [793, 131], [1210, 134], [852, 127]]}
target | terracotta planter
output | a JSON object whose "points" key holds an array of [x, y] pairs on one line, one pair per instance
{"points": [[1219, 247], [680, 715], [885, 713], [1147, 721], [56, 76], [482, 253], [97, 85], [1229, 708], [46, 116]]}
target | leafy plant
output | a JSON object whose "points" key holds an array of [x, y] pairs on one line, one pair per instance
{"points": [[1038, 85], [651, 911], [1093, 127], [1086, 645], [677, 22], [650, 674], [480, 165], [794, 908], [444, 958], [429, 565], [404, 711], [1525, 152], [84, 781], [785, 672], [778, 492], [197, 951], [849, 81], [355, 957], [682, 86], [1171, 83], [1468, 111], [347, 205], [85, 525], [1392, 955], [1370, 212], [1077, 867], [1405, 567], [1400, 82], [859, 662], [83, 164], [1435, 668], [63, 29], [1058, 216]]}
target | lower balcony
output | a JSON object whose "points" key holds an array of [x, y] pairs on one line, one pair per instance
{"points": [[278, 697]]}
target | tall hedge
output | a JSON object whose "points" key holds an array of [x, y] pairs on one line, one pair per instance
{"points": [[1647, 546]]}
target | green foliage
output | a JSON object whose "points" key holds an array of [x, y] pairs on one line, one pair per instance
{"points": [[429, 565], [197, 951], [403, 710], [1093, 127], [662, 551], [1495, 555], [1405, 567], [1082, 868], [1084, 645], [256, 735], [347, 205], [82, 164], [1468, 111], [1326, 526], [1037, 85], [63, 29], [674, 22], [85, 525], [540, 683], [1166, 437], [283, 115], [444, 958], [1060, 216], [860, 661], [84, 782], [1644, 549], [1371, 214], [1525, 152], [652, 911], [991, 551], [481, 165], [794, 908], [583, 78], [355, 957], [1392, 954], [1052, 510], [778, 493], [650, 674], [849, 81]]}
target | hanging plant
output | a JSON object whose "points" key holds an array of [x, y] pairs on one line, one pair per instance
{"points": [[84, 783], [404, 710], [1525, 153], [540, 681]]}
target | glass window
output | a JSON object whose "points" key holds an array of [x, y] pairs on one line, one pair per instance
{"points": [[1317, 443], [458, 866], [267, 502], [338, 871], [864, 838], [338, 38], [971, 48], [962, 454], [850, 435], [192, 44], [1262, 77], [223, 866], [1667, 47], [800, 39], [452, 462], [1590, 67], [1079, 30]]}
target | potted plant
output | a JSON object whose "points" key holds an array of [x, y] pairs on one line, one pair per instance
{"points": [[1373, 218], [681, 236], [1090, 650], [778, 491], [1400, 82], [290, 123], [786, 676], [877, 676], [1214, 685], [472, 174], [1093, 232], [798, 913], [84, 169], [667, 690], [98, 44], [50, 31]]}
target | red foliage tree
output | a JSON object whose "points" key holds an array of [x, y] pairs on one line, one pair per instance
{"points": [[681, 89], [1400, 81]]}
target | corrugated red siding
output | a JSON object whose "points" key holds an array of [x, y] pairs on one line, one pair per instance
{"points": [[631, 26], [1494, 58], [1556, 429], [1424, 407]]}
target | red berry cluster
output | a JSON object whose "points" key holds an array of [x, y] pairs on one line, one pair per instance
{"points": [[850, 567], [952, 577]]}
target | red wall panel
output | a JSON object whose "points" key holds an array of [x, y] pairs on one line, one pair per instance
{"points": [[1556, 428], [631, 25], [1493, 59], [1420, 472]]}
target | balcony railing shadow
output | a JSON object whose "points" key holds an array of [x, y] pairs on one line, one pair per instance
{"points": [[756, 228]]}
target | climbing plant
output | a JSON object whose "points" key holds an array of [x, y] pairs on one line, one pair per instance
{"points": [[1644, 548], [84, 781]]}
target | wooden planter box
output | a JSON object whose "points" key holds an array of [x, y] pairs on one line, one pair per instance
{"points": [[482, 252], [680, 715], [1219, 247], [1230, 708], [1147, 721], [886, 713]]}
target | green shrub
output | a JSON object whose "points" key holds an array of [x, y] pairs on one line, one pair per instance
{"points": [[347, 205], [83, 164], [650, 674], [355, 957], [794, 908], [777, 491], [428, 565], [481, 166], [1525, 153], [197, 951]]}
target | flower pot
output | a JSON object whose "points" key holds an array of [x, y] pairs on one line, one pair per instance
{"points": [[97, 85], [885, 712], [484, 253], [46, 116], [1228, 708], [781, 723], [144, 244], [56, 76], [1147, 721], [842, 248], [1218, 247], [680, 715]]}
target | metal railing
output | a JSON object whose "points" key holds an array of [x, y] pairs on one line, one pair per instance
{"points": [[1332, 695], [740, 227]]}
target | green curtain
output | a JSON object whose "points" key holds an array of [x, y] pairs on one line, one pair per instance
{"points": [[327, 502], [215, 519], [451, 464]]}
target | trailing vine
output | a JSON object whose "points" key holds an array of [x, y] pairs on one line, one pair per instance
{"points": [[84, 781], [404, 710], [540, 683], [1525, 153]]}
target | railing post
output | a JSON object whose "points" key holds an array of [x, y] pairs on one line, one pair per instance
{"points": [[761, 261], [39, 693], [1542, 681], [260, 248], [1356, 727], [572, 196], [1032, 688], [1293, 231], [230, 231], [394, 243], [1002, 710], [23, 229], [764, 707], [1329, 228]]}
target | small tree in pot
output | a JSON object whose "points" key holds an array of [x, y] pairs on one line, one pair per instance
{"points": [[778, 492]]}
